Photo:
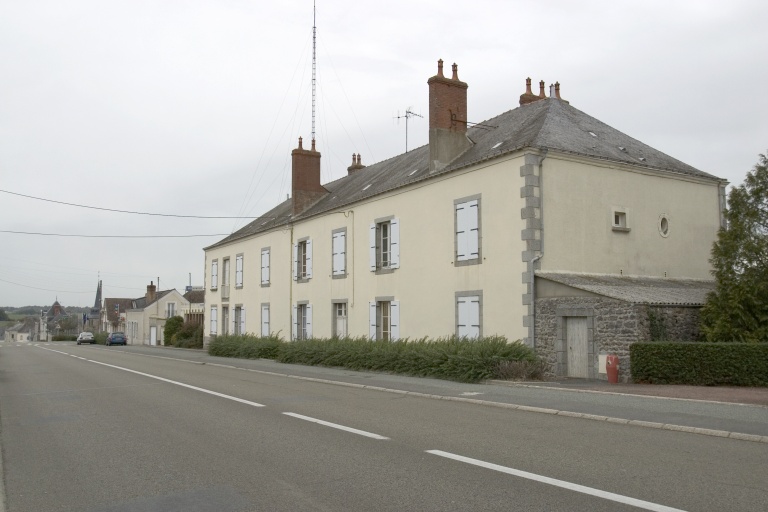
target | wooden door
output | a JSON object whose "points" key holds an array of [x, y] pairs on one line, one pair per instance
{"points": [[576, 341]]}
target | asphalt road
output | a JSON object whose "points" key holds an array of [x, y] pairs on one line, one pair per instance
{"points": [[89, 428]]}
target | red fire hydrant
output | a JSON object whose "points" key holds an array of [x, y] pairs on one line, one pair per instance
{"points": [[612, 368]]}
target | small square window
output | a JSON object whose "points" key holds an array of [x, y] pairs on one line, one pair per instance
{"points": [[619, 221]]}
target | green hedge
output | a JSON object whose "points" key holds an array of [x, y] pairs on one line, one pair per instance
{"points": [[700, 364], [446, 358]]}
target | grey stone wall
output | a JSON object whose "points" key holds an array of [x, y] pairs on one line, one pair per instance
{"points": [[615, 325], [670, 323]]}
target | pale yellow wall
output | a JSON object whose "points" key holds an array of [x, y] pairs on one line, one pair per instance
{"points": [[154, 314], [426, 282], [577, 204]]}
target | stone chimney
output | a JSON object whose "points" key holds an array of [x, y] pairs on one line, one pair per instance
{"points": [[151, 292], [447, 118], [305, 178], [356, 165]]}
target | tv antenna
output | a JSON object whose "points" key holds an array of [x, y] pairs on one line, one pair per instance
{"points": [[408, 114], [314, 65]]}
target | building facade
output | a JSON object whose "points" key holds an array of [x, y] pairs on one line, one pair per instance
{"points": [[447, 239]]}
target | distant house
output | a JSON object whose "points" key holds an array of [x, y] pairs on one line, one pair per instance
{"points": [[532, 224], [21, 331], [113, 314], [195, 312], [145, 318]]}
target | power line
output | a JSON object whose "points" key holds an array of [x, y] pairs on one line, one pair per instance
{"points": [[43, 289], [111, 236], [124, 211]]}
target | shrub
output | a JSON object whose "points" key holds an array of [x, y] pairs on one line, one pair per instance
{"points": [[189, 335], [100, 337], [701, 364], [172, 326], [448, 358]]}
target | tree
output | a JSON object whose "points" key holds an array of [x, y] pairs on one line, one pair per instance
{"points": [[738, 308], [172, 326], [3, 315]]}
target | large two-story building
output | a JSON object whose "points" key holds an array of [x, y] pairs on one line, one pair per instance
{"points": [[468, 235]]}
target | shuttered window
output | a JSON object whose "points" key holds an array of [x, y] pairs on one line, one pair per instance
{"points": [[239, 271], [384, 245], [468, 231], [468, 316], [302, 259], [302, 321], [214, 320], [214, 274], [384, 320], [265, 266], [339, 253], [265, 320]]}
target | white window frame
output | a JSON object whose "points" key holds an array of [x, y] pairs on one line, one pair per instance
{"points": [[467, 239], [381, 311], [302, 321], [265, 319], [265, 255], [239, 271], [469, 314], [339, 312], [170, 309], [339, 253], [302, 260], [214, 322], [384, 241], [215, 274]]}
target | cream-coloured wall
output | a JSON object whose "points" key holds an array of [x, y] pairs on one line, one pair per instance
{"points": [[426, 282], [578, 200], [153, 315]]}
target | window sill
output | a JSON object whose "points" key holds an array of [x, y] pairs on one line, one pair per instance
{"points": [[384, 270], [265, 285], [619, 229], [339, 276]]}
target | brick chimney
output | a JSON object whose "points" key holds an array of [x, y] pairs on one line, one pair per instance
{"points": [[356, 165], [151, 292], [447, 118], [528, 96], [305, 178]]}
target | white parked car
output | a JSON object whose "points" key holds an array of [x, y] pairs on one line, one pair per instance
{"points": [[86, 337]]}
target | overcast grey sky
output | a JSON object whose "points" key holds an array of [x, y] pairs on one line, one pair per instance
{"points": [[191, 107]]}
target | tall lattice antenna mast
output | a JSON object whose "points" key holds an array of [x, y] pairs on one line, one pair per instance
{"points": [[314, 66]]}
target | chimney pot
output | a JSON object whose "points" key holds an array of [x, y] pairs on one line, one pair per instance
{"points": [[455, 72], [528, 96], [300, 146], [541, 90], [551, 91], [557, 90], [440, 67]]}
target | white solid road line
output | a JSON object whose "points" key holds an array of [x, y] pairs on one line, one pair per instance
{"points": [[177, 383], [335, 425], [646, 505]]}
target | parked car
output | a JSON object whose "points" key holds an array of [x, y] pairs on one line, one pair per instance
{"points": [[116, 338], [85, 337]]}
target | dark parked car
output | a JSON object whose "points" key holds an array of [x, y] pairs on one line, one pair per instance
{"points": [[116, 338]]}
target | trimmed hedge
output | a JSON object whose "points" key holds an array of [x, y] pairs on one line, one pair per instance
{"points": [[446, 358], [700, 364]]}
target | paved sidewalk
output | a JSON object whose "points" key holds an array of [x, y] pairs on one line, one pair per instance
{"points": [[735, 394]]}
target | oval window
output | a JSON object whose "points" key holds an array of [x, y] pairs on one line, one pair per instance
{"points": [[663, 225]]}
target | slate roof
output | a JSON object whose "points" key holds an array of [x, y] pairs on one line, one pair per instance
{"points": [[195, 296], [638, 290], [549, 124], [142, 302], [109, 307]]}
